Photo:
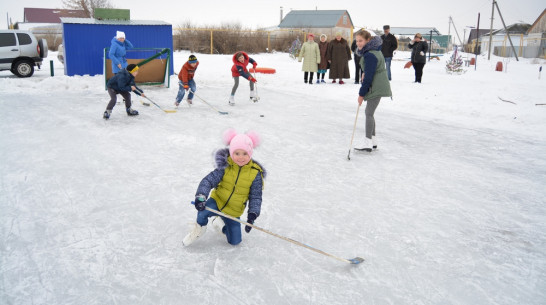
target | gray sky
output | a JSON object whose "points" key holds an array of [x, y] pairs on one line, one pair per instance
{"points": [[266, 13]]}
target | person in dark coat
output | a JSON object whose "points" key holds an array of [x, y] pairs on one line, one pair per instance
{"points": [[323, 66], [419, 48], [338, 56], [123, 83], [358, 72], [390, 44]]}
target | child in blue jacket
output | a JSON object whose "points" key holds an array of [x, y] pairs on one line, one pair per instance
{"points": [[123, 83]]}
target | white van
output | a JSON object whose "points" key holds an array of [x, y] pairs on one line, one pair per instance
{"points": [[20, 51]]}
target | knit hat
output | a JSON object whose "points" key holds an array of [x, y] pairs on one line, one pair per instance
{"points": [[192, 59], [120, 34], [132, 68], [386, 27], [246, 142], [310, 35], [338, 33]]}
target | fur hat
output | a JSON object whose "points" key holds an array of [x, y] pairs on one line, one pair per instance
{"points": [[247, 141], [324, 35], [120, 34], [192, 59]]}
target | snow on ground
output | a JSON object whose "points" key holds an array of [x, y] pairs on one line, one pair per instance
{"points": [[449, 210]]}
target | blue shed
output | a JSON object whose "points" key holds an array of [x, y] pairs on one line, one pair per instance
{"points": [[84, 41]]}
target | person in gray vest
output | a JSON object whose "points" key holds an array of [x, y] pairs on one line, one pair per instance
{"points": [[390, 44], [374, 85]]}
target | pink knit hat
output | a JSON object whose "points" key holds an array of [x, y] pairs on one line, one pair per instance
{"points": [[246, 142]]}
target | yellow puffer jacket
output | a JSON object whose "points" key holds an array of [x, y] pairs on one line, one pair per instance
{"points": [[232, 185]]}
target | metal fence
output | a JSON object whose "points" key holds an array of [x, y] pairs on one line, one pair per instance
{"points": [[525, 46]]}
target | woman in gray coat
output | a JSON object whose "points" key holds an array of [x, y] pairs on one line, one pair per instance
{"points": [[419, 48], [339, 55]]}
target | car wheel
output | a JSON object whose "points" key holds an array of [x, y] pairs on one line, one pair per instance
{"points": [[42, 43], [24, 68]]}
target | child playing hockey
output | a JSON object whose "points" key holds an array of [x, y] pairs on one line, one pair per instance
{"points": [[240, 61], [123, 83], [185, 80], [238, 180]]}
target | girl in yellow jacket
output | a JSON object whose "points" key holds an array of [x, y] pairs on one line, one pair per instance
{"points": [[236, 182]]}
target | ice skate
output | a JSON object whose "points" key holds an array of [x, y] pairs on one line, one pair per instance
{"points": [[253, 96], [195, 233], [365, 145], [218, 224]]}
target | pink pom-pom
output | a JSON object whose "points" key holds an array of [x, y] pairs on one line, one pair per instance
{"points": [[229, 135], [255, 137]]}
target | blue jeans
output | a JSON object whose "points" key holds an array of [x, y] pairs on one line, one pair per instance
{"points": [[181, 90], [388, 66], [232, 229]]}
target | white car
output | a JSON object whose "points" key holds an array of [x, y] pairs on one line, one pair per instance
{"points": [[20, 51]]}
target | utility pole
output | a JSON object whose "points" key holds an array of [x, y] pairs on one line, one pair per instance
{"points": [[491, 29], [455, 28], [505, 29], [477, 43]]}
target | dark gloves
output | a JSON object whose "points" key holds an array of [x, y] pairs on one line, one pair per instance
{"points": [[200, 202], [250, 219]]}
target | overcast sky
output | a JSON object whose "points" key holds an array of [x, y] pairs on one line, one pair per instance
{"points": [[266, 13]]}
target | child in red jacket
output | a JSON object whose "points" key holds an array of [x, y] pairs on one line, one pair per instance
{"points": [[240, 61], [186, 81]]}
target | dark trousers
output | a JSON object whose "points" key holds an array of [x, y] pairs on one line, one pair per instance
{"points": [[358, 71], [306, 74], [418, 71], [113, 98]]}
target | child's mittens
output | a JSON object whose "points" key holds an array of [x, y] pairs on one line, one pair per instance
{"points": [[250, 219], [254, 64], [186, 87], [252, 79], [200, 202]]}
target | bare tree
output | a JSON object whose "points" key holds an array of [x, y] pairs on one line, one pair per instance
{"points": [[88, 6]]}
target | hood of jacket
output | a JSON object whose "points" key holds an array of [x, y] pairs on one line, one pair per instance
{"points": [[235, 61], [221, 160], [114, 40], [374, 44]]}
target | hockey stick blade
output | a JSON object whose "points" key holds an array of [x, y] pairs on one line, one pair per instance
{"points": [[355, 261]]}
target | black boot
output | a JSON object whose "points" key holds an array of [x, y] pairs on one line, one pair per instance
{"points": [[131, 112]]}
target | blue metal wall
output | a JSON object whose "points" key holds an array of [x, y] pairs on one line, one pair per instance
{"points": [[84, 44]]}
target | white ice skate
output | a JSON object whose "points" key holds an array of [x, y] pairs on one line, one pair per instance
{"points": [[365, 145], [231, 100], [254, 96], [195, 233], [218, 224]]}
